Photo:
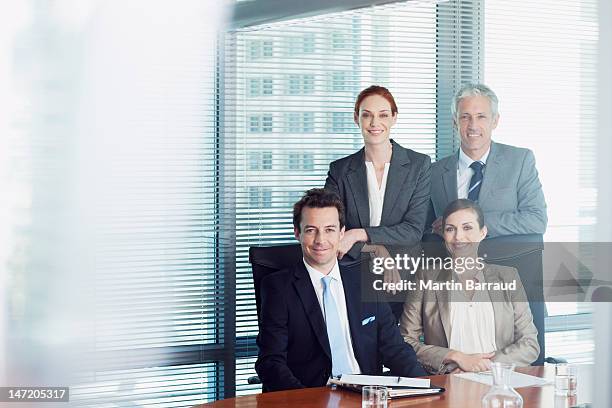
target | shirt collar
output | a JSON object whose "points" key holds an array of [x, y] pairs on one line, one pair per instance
{"points": [[316, 275], [464, 160]]}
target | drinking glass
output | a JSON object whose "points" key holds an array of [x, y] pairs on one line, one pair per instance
{"points": [[374, 396], [566, 379]]}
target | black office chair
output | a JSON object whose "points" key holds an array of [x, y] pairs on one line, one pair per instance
{"points": [[270, 259], [523, 252], [267, 260]]}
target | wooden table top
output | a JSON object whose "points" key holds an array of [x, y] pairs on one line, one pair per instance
{"points": [[459, 393]]}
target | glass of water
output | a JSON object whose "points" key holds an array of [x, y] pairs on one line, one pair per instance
{"points": [[374, 396], [566, 379]]}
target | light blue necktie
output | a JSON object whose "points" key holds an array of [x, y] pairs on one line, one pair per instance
{"points": [[335, 333]]}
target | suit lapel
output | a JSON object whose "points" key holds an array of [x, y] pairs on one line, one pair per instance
{"points": [[492, 170], [352, 294], [399, 170], [449, 179], [306, 292], [442, 298], [358, 184]]}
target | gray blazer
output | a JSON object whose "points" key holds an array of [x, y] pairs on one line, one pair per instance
{"points": [[406, 197], [426, 313], [511, 195]]}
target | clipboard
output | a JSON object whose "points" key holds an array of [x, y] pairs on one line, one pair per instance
{"points": [[395, 391]]}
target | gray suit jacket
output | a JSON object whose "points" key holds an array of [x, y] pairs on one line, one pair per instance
{"points": [[406, 197], [426, 313], [511, 195]]}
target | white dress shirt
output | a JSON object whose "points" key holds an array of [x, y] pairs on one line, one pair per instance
{"points": [[465, 173], [472, 321], [376, 195], [338, 293]]}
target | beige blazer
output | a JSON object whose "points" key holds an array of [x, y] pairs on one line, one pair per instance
{"points": [[426, 313]]}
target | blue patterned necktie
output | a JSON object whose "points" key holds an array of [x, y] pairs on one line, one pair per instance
{"points": [[476, 181], [337, 343]]}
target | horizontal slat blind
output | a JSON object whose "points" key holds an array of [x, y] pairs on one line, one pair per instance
{"points": [[459, 60], [540, 58], [130, 176], [290, 89], [176, 386]]}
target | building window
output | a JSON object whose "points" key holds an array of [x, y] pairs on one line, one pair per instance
{"points": [[260, 86], [293, 122], [260, 49], [294, 85], [307, 84], [254, 124], [342, 122], [260, 123], [302, 44], [340, 81], [260, 160], [266, 123], [253, 87], [339, 40], [260, 197], [300, 84], [293, 196], [300, 161], [307, 122], [266, 86], [267, 49], [333, 156], [299, 122], [308, 43]]}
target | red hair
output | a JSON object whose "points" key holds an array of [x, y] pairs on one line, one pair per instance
{"points": [[375, 90]]}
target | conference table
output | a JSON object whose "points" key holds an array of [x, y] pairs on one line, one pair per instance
{"points": [[460, 393]]}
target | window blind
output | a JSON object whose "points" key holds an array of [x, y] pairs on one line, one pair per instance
{"points": [[540, 58], [160, 304], [290, 89], [118, 286]]}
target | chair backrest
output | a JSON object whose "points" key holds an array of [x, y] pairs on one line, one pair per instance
{"points": [[523, 252], [270, 259]]}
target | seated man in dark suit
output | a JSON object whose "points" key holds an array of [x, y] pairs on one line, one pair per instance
{"points": [[313, 323]]}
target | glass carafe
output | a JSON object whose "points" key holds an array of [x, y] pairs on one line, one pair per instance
{"points": [[501, 394]]}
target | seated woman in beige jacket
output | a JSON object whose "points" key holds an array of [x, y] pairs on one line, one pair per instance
{"points": [[468, 317]]}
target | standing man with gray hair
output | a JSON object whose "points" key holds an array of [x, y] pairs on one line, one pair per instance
{"points": [[502, 179]]}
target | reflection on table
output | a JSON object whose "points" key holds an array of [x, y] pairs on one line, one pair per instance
{"points": [[459, 393]]}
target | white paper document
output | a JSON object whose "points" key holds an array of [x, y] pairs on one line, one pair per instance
{"points": [[386, 381], [517, 380]]}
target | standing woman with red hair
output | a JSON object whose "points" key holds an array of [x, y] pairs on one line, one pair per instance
{"points": [[384, 186]]}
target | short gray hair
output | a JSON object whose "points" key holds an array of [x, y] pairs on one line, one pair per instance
{"points": [[468, 90]]}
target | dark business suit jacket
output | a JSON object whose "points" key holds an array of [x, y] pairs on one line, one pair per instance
{"points": [[511, 195], [294, 349], [406, 197]]}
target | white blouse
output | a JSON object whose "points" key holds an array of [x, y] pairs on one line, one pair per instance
{"points": [[472, 322], [376, 195]]}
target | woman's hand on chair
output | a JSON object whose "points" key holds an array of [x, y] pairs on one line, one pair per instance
{"points": [[351, 237]]}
